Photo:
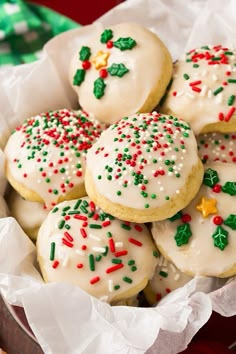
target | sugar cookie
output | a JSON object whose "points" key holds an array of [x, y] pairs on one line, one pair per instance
{"points": [[217, 147], [124, 69], [45, 157], [109, 258], [201, 239], [144, 168], [166, 279], [29, 215], [203, 89]]}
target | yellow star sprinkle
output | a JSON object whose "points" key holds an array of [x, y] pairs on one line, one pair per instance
{"points": [[100, 59], [207, 206]]}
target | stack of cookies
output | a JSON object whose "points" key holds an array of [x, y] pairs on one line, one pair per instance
{"points": [[136, 190]]}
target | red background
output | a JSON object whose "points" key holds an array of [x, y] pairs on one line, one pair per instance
{"points": [[219, 332]]}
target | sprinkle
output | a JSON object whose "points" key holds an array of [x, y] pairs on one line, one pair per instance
{"points": [[229, 114], [231, 100], [121, 253], [80, 217], [52, 252], [112, 245], [232, 81], [138, 228], [94, 280], [55, 264], [110, 285], [79, 265], [61, 224], [126, 227], [106, 223], [163, 274], [95, 226], [83, 232], [77, 204], [114, 268], [127, 280], [186, 76], [218, 90], [135, 242], [91, 262], [67, 243], [94, 237], [68, 236], [99, 249]]}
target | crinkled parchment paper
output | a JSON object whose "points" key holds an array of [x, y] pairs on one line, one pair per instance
{"points": [[63, 317]]}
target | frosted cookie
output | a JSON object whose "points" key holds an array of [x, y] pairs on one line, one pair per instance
{"points": [[166, 278], [217, 147], [201, 239], [110, 259], [124, 69], [29, 215], [45, 157], [203, 89], [144, 168]]}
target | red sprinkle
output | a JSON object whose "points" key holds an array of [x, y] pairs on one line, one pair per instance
{"points": [[135, 242], [80, 217], [106, 223], [229, 114], [194, 83], [67, 243], [80, 265], [55, 264], [68, 236], [114, 268], [121, 253], [94, 280], [138, 228], [196, 89], [83, 233], [112, 245]]}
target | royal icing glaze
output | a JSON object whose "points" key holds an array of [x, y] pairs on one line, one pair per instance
{"points": [[217, 147], [201, 239], [144, 160], [203, 90], [166, 278], [47, 153], [30, 215], [108, 258], [106, 67]]}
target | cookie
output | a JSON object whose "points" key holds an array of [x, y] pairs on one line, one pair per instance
{"points": [[166, 279], [45, 156], [29, 215], [124, 69], [109, 258], [217, 147], [144, 168], [203, 90], [201, 239]]}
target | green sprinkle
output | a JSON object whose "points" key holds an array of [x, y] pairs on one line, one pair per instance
{"points": [[83, 209], [99, 177], [55, 210], [98, 258], [116, 287], [186, 76], [131, 262], [155, 254], [55, 191], [128, 280], [146, 206], [109, 234], [105, 253], [67, 226], [153, 196], [118, 192], [66, 208], [232, 81], [195, 65], [218, 90], [163, 274], [52, 252], [47, 180], [116, 260], [95, 226], [167, 197], [231, 100], [126, 227], [77, 204], [61, 224], [133, 269], [91, 262]]}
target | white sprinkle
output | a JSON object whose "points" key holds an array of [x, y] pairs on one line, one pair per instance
{"points": [[65, 261], [219, 98], [164, 269], [214, 77], [177, 191], [204, 90], [81, 253], [177, 276], [209, 93], [189, 95], [119, 244], [170, 173], [204, 72], [99, 249], [110, 285], [161, 189], [93, 237], [39, 181]]}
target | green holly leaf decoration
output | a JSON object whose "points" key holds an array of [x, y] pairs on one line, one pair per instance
{"points": [[106, 36], [99, 88], [79, 77], [117, 70], [231, 221], [210, 177], [125, 43], [84, 53], [229, 188], [220, 237], [183, 234], [176, 216]]}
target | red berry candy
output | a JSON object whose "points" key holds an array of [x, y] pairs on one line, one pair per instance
{"points": [[217, 220], [216, 188], [86, 65], [103, 73], [109, 44]]}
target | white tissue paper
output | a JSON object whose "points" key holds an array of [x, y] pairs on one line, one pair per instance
{"points": [[63, 317]]}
